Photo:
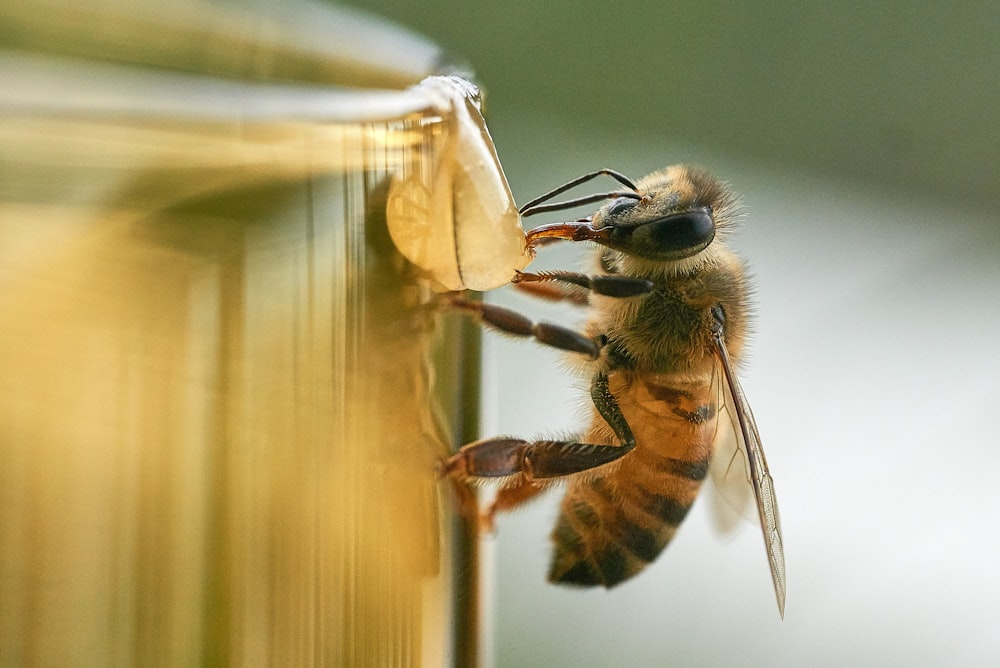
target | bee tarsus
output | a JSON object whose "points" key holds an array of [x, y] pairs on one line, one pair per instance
{"points": [[608, 286]]}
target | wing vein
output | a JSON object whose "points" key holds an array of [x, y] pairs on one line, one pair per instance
{"points": [[760, 477]]}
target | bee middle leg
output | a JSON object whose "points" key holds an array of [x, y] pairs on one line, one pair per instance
{"points": [[537, 462], [511, 322], [533, 462]]}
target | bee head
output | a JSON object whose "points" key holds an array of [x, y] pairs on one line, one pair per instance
{"points": [[677, 217]]}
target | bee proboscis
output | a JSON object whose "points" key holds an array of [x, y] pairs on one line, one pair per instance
{"points": [[669, 310]]}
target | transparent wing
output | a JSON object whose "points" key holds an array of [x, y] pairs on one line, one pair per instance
{"points": [[730, 501], [747, 440]]}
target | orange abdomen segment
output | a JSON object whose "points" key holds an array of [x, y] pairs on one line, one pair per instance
{"points": [[619, 518]]}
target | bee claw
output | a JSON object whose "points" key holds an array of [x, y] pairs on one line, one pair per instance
{"points": [[486, 524]]}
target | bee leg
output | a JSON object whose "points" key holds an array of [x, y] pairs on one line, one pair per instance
{"points": [[463, 496], [508, 498], [512, 322], [490, 458], [608, 286], [538, 461], [552, 293]]}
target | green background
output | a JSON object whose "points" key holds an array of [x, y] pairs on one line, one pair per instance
{"points": [[900, 94]]}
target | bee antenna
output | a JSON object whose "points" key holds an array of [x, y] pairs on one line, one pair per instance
{"points": [[531, 209], [532, 206]]}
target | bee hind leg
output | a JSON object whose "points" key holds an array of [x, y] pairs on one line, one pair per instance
{"points": [[529, 465], [536, 462]]}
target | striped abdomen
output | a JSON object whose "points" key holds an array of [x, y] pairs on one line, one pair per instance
{"points": [[618, 519]]}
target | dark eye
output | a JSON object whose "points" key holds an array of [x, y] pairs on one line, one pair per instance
{"points": [[671, 237], [620, 206], [677, 233]]}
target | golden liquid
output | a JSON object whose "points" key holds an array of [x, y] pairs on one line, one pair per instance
{"points": [[221, 404]]}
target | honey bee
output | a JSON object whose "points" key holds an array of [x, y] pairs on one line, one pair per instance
{"points": [[669, 311]]}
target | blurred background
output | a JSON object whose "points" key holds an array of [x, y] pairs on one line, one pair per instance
{"points": [[217, 434], [864, 139]]}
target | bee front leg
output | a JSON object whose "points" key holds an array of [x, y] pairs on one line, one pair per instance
{"points": [[536, 462], [608, 285]]}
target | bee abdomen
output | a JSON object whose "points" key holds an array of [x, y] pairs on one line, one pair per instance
{"points": [[606, 533]]}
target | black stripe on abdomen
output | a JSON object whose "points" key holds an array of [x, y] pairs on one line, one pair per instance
{"points": [[604, 535]]}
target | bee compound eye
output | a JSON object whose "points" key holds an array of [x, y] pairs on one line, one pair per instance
{"points": [[676, 235]]}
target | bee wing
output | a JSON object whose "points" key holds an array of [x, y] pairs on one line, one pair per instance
{"points": [[730, 503], [744, 429]]}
